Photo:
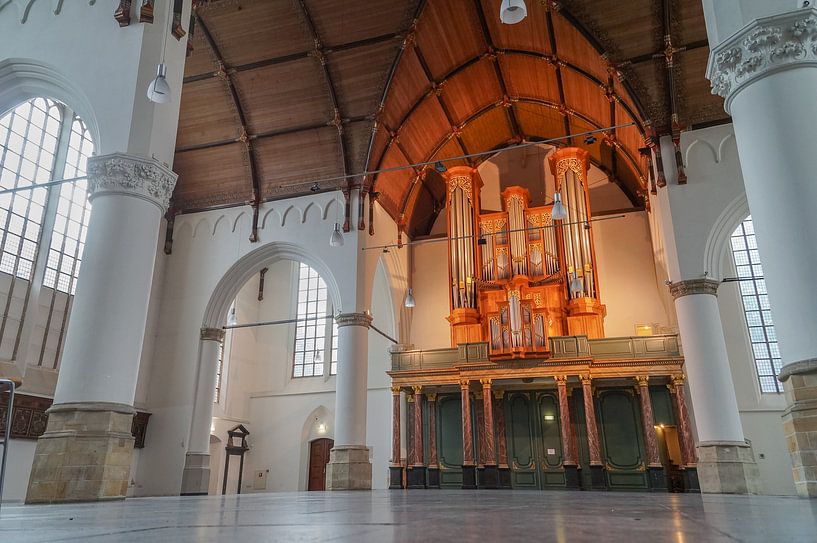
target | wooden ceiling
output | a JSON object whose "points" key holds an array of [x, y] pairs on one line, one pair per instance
{"points": [[280, 93]]}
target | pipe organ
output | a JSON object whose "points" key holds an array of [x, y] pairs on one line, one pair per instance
{"points": [[510, 271]]}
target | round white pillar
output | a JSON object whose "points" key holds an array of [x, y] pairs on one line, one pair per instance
{"points": [[93, 402], [196, 475], [103, 345], [706, 361], [726, 462], [349, 467]]}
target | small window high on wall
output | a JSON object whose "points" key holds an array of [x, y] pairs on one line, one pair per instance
{"points": [[315, 333], [42, 230], [756, 306]]}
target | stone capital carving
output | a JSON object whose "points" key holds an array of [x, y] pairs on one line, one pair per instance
{"points": [[130, 175], [761, 48], [486, 382], [418, 389], [561, 380], [801, 367], [677, 380], [395, 391], [353, 319], [694, 286], [642, 380], [212, 334]]}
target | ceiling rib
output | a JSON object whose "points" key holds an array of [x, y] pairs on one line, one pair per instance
{"points": [[320, 54], [226, 74], [299, 56], [559, 83], [387, 86], [486, 35]]}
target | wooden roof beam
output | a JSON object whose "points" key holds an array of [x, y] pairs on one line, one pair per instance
{"points": [[245, 136]]}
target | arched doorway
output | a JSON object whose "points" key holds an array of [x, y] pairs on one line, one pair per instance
{"points": [[318, 458]]}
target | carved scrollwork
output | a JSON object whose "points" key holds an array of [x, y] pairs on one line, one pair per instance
{"points": [[762, 47], [124, 174]]}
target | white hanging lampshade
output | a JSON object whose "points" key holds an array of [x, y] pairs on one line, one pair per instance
{"points": [[410, 298], [337, 237], [159, 90], [318, 358], [576, 285], [512, 11], [559, 212], [232, 320]]}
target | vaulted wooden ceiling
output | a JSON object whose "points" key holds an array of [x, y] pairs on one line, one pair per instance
{"points": [[280, 93]]}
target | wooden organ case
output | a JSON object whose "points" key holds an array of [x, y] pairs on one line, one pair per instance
{"points": [[510, 272]]}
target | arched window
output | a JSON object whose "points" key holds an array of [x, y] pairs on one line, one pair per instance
{"points": [[315, 334], [756, 306], [42, 230]]}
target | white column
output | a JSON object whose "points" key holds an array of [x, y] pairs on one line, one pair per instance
{"points": [[764, 63], [768, 72], [103, 345], [706, 361], [349, 466], [726, 462], [196, 475]]}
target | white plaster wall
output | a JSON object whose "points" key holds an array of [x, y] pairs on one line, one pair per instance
{"points": [[18, 467], [693, 223], [283, 413], [205, 246], [429, 328], [627, 279]]}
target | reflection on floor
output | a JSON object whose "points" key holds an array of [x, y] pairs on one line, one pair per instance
{"points": [[421, 515]]}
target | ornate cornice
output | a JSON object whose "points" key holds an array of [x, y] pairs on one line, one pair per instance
{"points": [[694, 286], [761, 48], [130, 175], [212, 334], [353, 319]]}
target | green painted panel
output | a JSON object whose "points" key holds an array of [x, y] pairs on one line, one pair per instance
{"points": [[662, 405], [553, 478], [521, 452], [620, 430], [576, 401], [449, 433], [451, 478], [551, 438], [625, 480]]}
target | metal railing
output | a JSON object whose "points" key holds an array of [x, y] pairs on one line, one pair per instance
{"points": [[6, 384]]}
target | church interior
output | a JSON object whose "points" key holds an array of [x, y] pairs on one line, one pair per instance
{"points": [[535, 259]]}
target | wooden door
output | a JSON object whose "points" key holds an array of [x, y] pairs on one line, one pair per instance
{"points": [[318, 458]]}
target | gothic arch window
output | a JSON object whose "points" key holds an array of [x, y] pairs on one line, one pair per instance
{"points": [[42, 230], [756, 306], [315, 334]]}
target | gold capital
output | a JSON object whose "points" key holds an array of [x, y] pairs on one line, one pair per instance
{"points": [[642, 380], [417, 389], [465, 383], [395, 390], [499, 394], [431, 396], [486, 383], [561, 380]]}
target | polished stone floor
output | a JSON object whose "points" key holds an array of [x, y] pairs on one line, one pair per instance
{"points": [[422, 516]]}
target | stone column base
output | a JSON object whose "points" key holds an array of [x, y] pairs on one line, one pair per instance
{"points": [[196, 475], [727, 468], [800, 424], [84, 455], [349, 468]]}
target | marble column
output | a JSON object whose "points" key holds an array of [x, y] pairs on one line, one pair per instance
{"points": [[501, 443], [196, 474], [655, 470], [598, 480], [469, 473], [479, 424], [416, 473], [763, 62], [726, 462], [569, 458], [688, 458], [349, 467], [491, 473], [409, 431], [396, 467], [433, 479], [85, 453]]}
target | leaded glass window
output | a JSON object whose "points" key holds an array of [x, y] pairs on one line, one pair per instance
{"points": [[314, 335], [756, 306]]}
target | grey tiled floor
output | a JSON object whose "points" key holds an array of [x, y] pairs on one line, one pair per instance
{"points": [[424, 515]]}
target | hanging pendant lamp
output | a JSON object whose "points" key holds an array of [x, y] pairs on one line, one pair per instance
{"points": [[159, 89], [559, 212], [336, 240], [576, 284], [410, 298], [512, 11]]}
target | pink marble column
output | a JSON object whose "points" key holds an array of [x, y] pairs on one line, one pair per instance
{"points": [[500, 428], [568, 454], [418, 426], [590, 419], [409, 430], [433, 461], [395, 427], [488, 416], [650, 441], [467, 436], [684, 431], [480, 428]]}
